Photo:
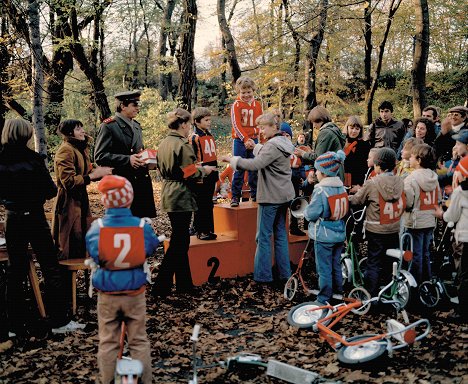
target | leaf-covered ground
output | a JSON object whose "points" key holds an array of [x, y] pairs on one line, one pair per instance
{"points": [[238, 316]]}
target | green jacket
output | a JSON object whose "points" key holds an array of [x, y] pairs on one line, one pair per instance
{"points": [[330, 138], [176, 163]]}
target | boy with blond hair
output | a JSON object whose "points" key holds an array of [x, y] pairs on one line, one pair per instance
{"points": [[403, 167], [244, 112]]}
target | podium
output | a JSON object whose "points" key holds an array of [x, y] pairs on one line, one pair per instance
{"points": [[232, 253]]}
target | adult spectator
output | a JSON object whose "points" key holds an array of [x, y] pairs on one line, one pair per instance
{"points": [[26, 185], [431, 113], [385, 131], [73, 172], [356, 151], [118, 145], [329, 138], [455, 122]]}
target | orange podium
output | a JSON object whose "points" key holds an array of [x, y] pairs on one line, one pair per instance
{"points": [[232, 253]]}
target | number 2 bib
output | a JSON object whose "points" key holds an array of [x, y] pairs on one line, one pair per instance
{"points": [[121, 247]]}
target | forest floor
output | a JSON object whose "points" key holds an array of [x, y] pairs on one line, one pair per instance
{"points": [[237, 316]]}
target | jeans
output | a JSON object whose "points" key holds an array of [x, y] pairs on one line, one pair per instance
{"points": [[238, 149], [421, 266], [22, 229], [328, 263], [176, 261], [271, 219], [377, 259]]}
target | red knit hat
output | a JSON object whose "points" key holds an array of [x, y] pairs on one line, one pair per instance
{"points": [[463, 166], [117, 192]]}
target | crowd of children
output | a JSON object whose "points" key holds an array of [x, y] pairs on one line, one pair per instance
{"points": [[399, 196]]}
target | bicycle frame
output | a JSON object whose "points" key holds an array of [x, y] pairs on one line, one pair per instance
{"points": [[127, 370]]}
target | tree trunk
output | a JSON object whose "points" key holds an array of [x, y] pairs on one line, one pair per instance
{"points": [[310, 91], [370, 95], [4, 61], [297, 54], [164, 80], [420, 56], [37, 76], [368, 45], [227, 36], [187, 55]]}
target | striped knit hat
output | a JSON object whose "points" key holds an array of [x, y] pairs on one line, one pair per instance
{"points": [[463, 166], [330, 162], [117, 192]]}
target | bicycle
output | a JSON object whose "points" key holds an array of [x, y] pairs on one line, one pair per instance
{"points": [[359, 349], [274, 368], [350, 263], [442, 284], [127, 370]]}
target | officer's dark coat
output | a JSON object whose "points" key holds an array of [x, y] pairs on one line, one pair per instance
{"points": [[116, 141]]}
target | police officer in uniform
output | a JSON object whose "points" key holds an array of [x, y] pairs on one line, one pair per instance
{"points": [[118, 144]]}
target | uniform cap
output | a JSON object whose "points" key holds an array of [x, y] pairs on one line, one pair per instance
{"points": [[128, 95], [329, 163], [117, 192], [385, 158]]}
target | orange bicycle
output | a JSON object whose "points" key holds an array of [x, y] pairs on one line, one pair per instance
{"points": [[359, 349]]}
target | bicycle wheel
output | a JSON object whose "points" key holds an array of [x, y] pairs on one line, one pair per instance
{"points": [[290, 288], [362, 295], [346, 269], [363, 353], [363, 264], [306, 315], [429, 294], [402, 293]]}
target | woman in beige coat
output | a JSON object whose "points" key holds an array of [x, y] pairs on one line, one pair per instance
{"points": [[73, 170]]}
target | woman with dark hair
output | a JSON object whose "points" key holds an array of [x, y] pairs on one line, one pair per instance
{"points": [[74, 171], [424, 129], [357, 151]]}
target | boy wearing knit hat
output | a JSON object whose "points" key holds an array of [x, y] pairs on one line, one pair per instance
{"points": [[327, 208], [457, 212], [385, 200], [119, 244]]}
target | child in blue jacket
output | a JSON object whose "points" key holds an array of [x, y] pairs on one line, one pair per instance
{"points": [[327, 208], [119, 244]]}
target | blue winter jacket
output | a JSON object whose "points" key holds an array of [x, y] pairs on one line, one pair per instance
{"points": [[318, 213], [119, 280]]}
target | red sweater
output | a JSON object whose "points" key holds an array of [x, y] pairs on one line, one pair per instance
{"points": [[243, 116]]}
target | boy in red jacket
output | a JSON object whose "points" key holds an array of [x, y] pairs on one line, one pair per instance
{"points": [[244, 112]]}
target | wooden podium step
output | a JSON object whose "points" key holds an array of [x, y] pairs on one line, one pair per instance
{"points": [[232, 253]]}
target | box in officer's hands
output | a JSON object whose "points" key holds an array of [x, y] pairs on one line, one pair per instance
{"points": [[149, 157]]}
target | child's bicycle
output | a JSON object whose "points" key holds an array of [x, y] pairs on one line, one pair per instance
{"points": [[442, 284], [350, 265], [274, 368], [127, 370], [359, 349], [402, 280]]}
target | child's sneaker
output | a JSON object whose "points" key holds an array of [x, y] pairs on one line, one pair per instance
{"points": [[70, 327], [234, 201]]}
